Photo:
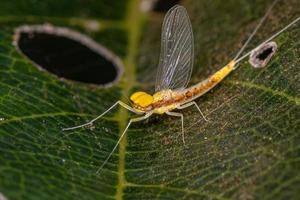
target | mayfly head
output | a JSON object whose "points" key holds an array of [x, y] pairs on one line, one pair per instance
{"points": [[142, 101]]}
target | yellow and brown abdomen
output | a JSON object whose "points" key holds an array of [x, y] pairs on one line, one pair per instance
{"points": [[206, 85]]}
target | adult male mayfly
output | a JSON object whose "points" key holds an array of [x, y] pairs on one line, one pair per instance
{"points": [[174, 72]]}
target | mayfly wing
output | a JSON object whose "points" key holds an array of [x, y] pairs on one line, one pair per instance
{"points": [[177, 51]]}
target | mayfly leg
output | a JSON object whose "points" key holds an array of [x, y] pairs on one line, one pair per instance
{"points": [[147, 115], [192, 103], [98, 117], [182, 127]]}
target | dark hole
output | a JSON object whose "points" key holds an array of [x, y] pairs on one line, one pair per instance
{"points": [[164, 5], [67, 58], [263, 55]]}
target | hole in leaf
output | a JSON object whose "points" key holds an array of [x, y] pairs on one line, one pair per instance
{"points": [[260, 56], [264, 55], [68, 54], [164, 5]]}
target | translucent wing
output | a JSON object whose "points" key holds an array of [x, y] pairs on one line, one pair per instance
{"points": [[177, 51]]}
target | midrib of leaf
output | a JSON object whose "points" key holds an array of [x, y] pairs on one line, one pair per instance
{"points": [[133, 25]]}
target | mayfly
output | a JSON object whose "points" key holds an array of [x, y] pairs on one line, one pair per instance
{"points": [[174, 72]]}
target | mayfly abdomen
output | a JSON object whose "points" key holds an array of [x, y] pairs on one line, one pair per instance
{"points": [[201, 88]]}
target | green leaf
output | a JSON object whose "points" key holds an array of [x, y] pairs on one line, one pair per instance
{"points": [[248, 150]]}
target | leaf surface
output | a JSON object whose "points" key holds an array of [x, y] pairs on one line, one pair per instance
{"points": [[248, 150]]}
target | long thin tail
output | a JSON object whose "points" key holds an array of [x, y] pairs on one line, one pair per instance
{"points": [[256, 29], [268, 40]]}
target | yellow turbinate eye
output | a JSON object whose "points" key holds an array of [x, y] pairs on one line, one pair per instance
{"points": [[141, 98]]}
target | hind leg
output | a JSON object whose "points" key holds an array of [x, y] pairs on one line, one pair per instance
{"points": [[191, 104]]}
